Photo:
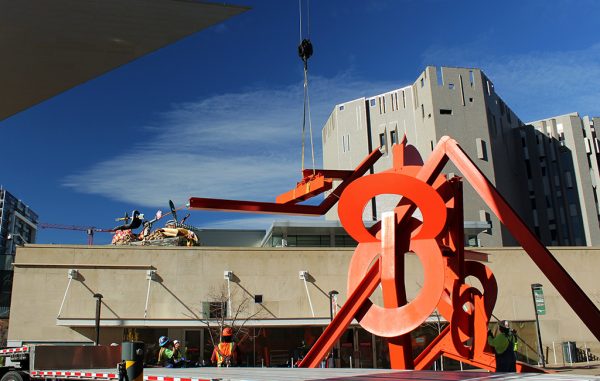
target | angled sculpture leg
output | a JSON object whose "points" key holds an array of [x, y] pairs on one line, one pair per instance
{"points": [[546, 262], [433, 351], [342, 320]]}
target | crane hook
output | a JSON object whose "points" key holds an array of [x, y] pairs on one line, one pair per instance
{"points": [[305, 50]]}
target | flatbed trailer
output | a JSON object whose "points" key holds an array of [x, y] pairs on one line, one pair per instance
{"points": [[319, 374], [33, 358]]}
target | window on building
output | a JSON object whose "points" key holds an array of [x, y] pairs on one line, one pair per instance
{"points": [[573, 210], [588, 146], [373, 102], [451, 86], [344, 241], [568, 180], [214, 309], [393, 137], [422, 82], [341, 107], [471, 78], [472, 241], [445, 111], [481, 149], [382, 140]]}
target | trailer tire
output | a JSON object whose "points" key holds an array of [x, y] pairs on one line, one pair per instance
{"points": [[15, 375]]}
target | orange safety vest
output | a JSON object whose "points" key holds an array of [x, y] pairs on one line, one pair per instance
{"points": [[224, 352]]}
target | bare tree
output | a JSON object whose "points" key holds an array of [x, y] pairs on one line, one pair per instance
{"points": [[224, 311]]}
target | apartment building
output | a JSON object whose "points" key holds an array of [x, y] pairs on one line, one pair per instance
{"points": [[18, 225], [561, 163]]}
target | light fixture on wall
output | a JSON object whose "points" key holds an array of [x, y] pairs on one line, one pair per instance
{"points": [[12, 236], [151, 275], [228, 276], [304, 276], [73, 274]]}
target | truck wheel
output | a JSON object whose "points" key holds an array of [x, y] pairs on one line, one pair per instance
{"points": [[15, 375]]}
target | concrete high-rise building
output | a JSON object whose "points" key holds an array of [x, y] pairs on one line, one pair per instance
{"points": [[18, 225], [561, 156], [462, 103]]}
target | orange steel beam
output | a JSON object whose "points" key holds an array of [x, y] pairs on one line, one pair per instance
{"points": [[342, 320], [546, 262], [307, 188], [276, 208], [218, 204], [336, 174]]}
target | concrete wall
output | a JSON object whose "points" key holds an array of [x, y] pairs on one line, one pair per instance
{"points": [[188, 276]]}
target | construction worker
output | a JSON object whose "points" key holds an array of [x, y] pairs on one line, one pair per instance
{"points": [[225, 353], [166, 356], [179, 355], [504, 348]]}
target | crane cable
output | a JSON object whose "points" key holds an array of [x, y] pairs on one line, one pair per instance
{"points": [[305, 51]]}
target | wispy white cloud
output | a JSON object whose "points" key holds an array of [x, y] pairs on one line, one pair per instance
{"points": [[536, 84], [243, 145]]}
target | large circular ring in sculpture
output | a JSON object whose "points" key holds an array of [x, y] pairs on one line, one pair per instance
{"points": [[361, 191], [458, 311], [391, 322]]}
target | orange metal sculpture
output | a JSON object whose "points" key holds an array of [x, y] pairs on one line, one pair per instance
{"points": [[437, 241]]}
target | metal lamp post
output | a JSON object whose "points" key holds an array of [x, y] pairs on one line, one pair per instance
{"points": [[333, 299], [98, 306]]}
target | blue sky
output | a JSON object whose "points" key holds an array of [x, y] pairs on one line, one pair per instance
{"points": [[219, 114]]}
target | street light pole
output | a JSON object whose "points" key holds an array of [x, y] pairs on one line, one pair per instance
{"points": [[333, 299], [98, 306]]}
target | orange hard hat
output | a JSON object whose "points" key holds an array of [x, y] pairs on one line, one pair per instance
{"points": [[227, 331]]}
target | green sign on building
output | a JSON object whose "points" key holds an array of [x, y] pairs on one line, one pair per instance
{"points": [[540, 305]]}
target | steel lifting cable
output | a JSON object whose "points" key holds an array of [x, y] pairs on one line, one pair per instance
{"points": [[305, 51]]}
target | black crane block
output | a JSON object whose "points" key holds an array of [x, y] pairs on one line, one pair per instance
{"points": [[305, 50]]}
